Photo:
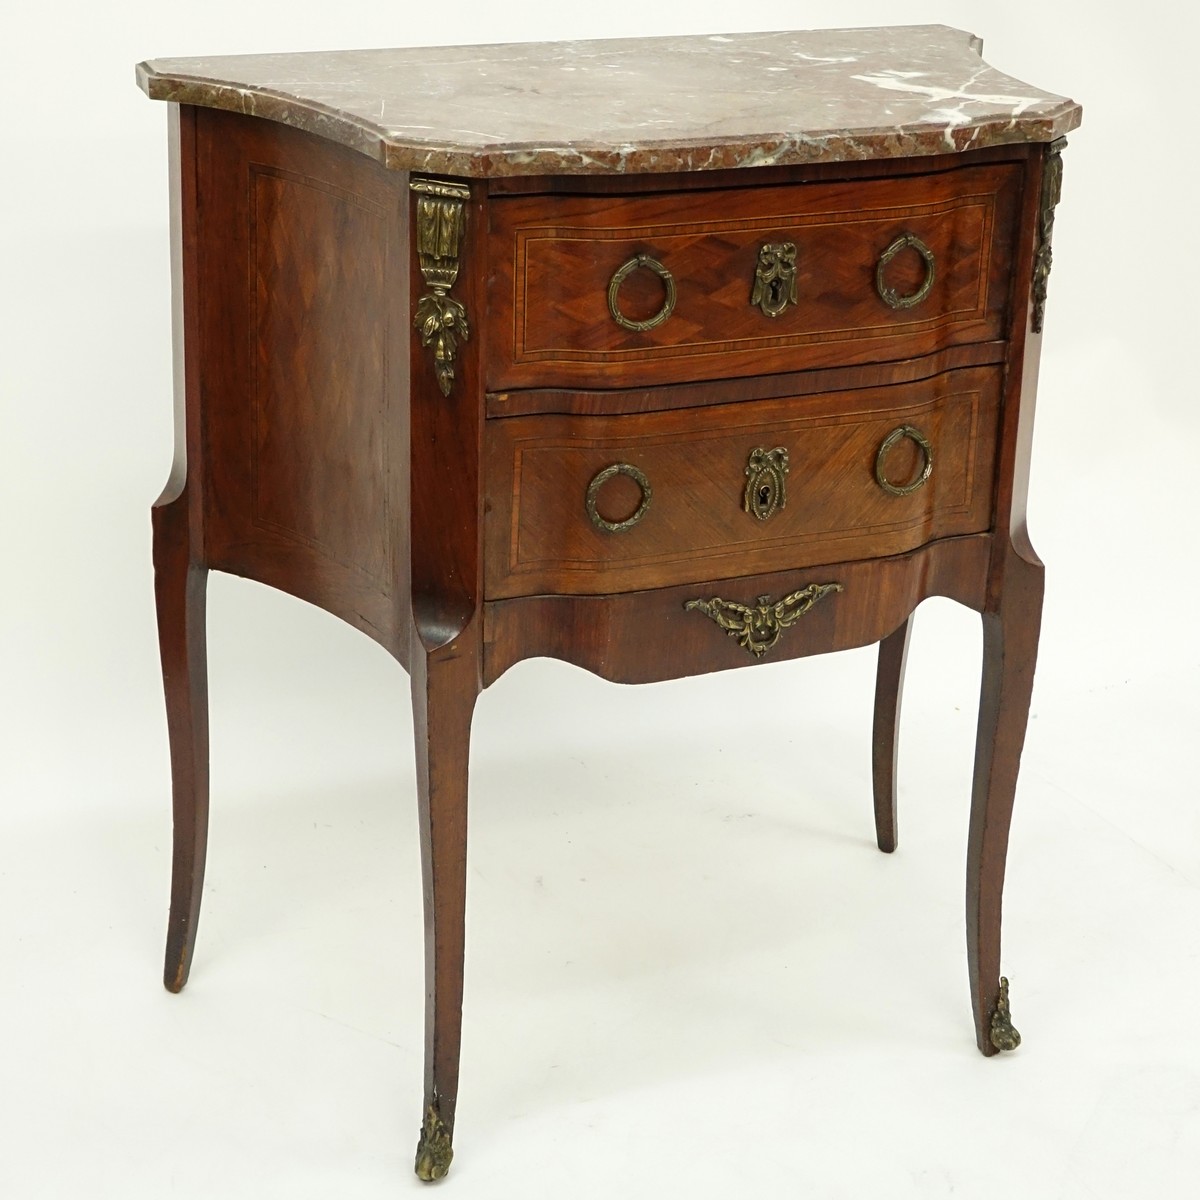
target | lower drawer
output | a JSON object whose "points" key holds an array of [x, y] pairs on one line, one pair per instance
{"points": [[589, 505]]}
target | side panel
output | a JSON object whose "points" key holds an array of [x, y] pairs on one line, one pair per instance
{"points": [[304, 377]]}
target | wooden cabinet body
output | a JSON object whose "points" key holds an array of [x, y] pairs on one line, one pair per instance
{"points": [[652, 422]]}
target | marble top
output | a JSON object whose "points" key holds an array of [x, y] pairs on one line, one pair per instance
{"points": [[632, 105]]}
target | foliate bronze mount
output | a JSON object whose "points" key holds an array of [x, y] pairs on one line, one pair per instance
{"points": [[887, 293], [622, 273], [440, 221], [593, 492], [1052, 175], [759, 627], [434, 1149], [897, 435], [1003, 1034], [766, 482], [775, 278]]}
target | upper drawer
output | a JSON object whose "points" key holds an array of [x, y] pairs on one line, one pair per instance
{"points": [[555, 259]]}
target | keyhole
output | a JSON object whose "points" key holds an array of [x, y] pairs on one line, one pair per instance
{"points": [[776, 292], [764, 495]]}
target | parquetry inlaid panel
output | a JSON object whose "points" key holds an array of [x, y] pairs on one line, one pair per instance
{"points": [[556, 258], [694, 463], [319, 367]]}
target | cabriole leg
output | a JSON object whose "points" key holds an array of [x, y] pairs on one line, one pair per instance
{"points": [[445, 684], [885, 743], [1010, 641], [179, 591]]}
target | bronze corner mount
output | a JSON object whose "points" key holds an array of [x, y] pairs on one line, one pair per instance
{"points": [[1052, 174], [441, 218]]}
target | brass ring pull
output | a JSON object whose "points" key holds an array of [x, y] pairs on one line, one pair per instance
{"points": [[594, 490], [622, 273], [889, 295], [904, 431]]}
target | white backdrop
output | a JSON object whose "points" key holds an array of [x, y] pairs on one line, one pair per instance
{"points": [[689, 972]]}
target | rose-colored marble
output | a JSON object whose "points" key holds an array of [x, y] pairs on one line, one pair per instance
{"points": [[632, 105]]}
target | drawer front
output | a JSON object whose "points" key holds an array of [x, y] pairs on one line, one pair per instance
{"points": [[589, 505], [833, 302]]}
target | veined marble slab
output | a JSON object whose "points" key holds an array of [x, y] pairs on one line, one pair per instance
{"points": [[633, 105]]}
